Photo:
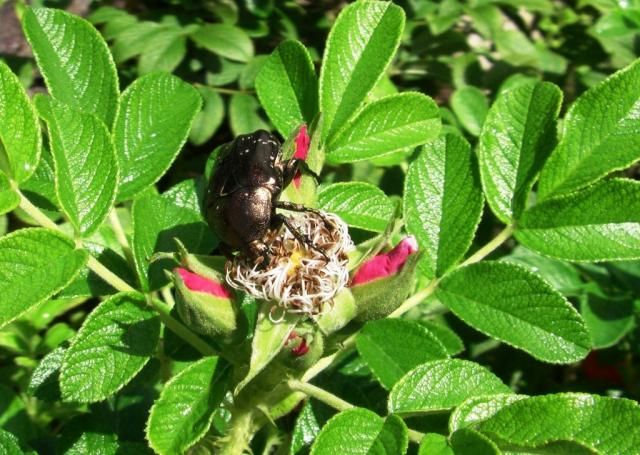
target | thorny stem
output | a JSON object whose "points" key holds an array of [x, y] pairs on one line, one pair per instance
{"points": [[119, 284], [334, 401]]}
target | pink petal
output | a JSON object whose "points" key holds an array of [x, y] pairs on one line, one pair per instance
{"points": [[302, 151], [386, 264], [195, 282]]}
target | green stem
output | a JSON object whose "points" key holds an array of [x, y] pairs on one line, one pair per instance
{"points": [[120, 235], [489, 247], [236, 442], [415, 299]]}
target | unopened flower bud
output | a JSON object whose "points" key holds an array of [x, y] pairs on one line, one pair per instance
{"points": [[301, 351], [382, 283], [302, 142], [204, 303]]}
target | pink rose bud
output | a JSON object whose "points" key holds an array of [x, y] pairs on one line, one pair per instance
{"points": [[302, 141], [195, 282], [302, 347], [386, 264]]}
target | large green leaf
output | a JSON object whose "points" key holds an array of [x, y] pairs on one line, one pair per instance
{"points": [[441, 385], [86, 166], [115, 341], [358, 204], [517, 137], [288, 87], [225, 40], [392, 347], [360, 431], [34, 264], [514, 305], [598, 223], [153, 122], [9, 199], [20, 141], [157, 221], [606, 425], [385, 126], [599, 135], [360, 46], [74, 60], [443, 202], [184, 411]]}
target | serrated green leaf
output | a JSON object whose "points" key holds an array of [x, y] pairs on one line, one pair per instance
{"points": [[93, 432], [607, 425], [9, 199], [208, 120], [268, 339], [74, 60], [358, 204], [184, 411], [86, 166], [168, 48], [9, 444], [517, 137], [244, 114], [225, 40], [153, 122], [360, 431], [470, 106], [443, 202], [392, 347], [476, 409], [35, 263], [44, 383], [449, 339], [468, 440], [598, 223], [20, 141], [360, 46], [288, 87], [518, 307], [441, 385], [608, 319], [306, 429], [595, 128], [113, 344], [157, 221], [385, 126], [41, 186]]}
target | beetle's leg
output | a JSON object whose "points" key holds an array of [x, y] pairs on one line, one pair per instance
{"points": [[293, 207], [294, 165], [302, 238], [258, 251], [225, 250]]}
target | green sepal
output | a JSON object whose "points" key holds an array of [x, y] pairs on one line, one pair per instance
{"points": [[209, 267], [343, 310], [301, 362], [379, 298]]}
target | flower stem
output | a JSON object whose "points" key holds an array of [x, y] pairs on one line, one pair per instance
{"points": [[490, 247], [236, 442]]}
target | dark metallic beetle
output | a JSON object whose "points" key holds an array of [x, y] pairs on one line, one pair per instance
{"points": [[248, 177]]}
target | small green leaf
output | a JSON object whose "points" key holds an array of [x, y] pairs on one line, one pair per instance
{"points": [[153, 122], [385, 126], [517, 137], [86, 166], [9, 199], [392, 347], [360, 431], [359, 204], [443, 202], [606, 425], [449, 339], [441, 385], [595, 128], [244, 114], [306, 429], [185, 409], [435, 444], [268, 339], [9, 444], [514, 305], [74, 60], [470, 106], [208, 120], [157, 221], [35, 263], [598, 223], [468, 440], [225, 40], [360, 46], [288, 87], [608, 319], [168, 48], [476, 409], [20, 141], [44, 383], [115, 341]]}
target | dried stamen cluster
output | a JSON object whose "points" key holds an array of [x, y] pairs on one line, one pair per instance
{"points": [[298, 278]]}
